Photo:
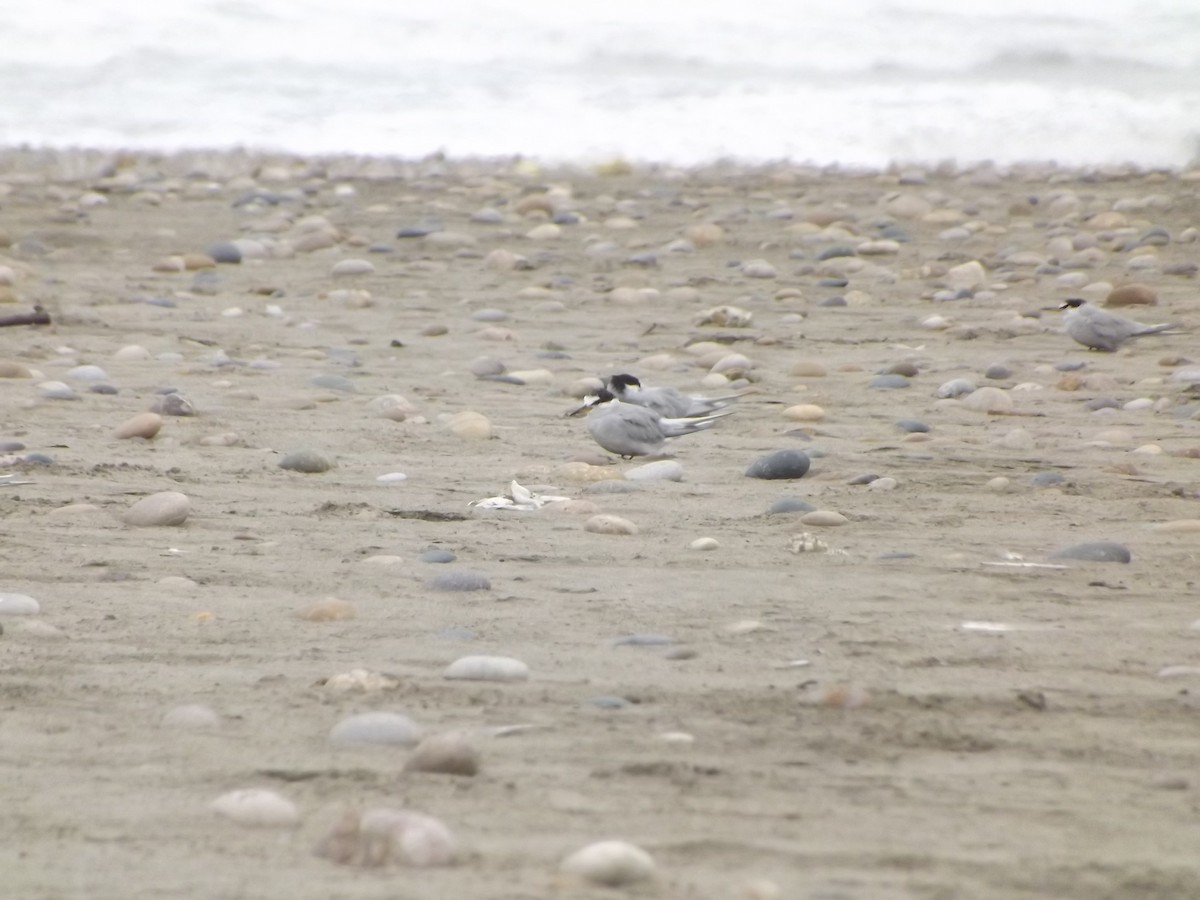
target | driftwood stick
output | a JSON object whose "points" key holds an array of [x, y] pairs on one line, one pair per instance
{"points": [[38, 317]]}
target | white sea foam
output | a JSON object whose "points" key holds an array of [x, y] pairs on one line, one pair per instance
{"points": [[859, 82]]}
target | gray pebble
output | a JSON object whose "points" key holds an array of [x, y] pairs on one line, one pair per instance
{"points": [[376, 728], [489, 315], [165, 302], [333, 383], [437, 555], [459, 580], [647, 259], [206, 282], [414, 231], [897, 554], [225, 252], [87, 373], [1102, 403], [310, 462], [780, 464], [173, 404], [889, 382], [381, 248], [956, 387], [1046, 479], [789, 505], [608, 702], [833, 282], [1071, 365], [11, 446], [997, 372], [483, 366], [912, 426], [833, 301], [863, 479], [643, 640], [37, 459], [837, 250], [1098, 551]]}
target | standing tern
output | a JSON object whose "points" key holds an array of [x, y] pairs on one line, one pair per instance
{"points": [[666, 401], [1100, 330], [630, 430]]}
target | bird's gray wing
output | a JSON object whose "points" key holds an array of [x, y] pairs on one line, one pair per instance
{"points": [[628, 430], [1097, 328]]}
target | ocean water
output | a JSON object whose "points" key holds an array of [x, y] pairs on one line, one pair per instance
{"points": [[853, 82]]}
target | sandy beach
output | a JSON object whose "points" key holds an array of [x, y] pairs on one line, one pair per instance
{"points": [[928, 703]]}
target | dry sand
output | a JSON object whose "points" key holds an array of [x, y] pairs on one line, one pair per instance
{"points": [[1048, 760]]}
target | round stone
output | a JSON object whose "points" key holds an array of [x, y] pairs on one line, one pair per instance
{"points": [[704, 544], [257, 808], [660, 470], [310, 462], [144, 425], [610, 863], [166, 508], [1132, 295], [487, 668], [450, 753], [376, 728], [989, 400], [789, 505], [18, 605], [348, 267], [888, 382], [782, 464], [804, 412], [957, 387], [824, 517]]}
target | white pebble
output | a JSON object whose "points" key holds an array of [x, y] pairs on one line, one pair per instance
{"points": [[487, 668], [610, 863], [609, 524], [704, 543], [376, 728], [18, 605], [391, 478], [163, 508]]}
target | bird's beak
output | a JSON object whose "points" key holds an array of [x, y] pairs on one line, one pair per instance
{"points": [[588, 402]]}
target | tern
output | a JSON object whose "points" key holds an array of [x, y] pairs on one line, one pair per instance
{"points": [[630, 430], [666, 401], [1100, 330]]}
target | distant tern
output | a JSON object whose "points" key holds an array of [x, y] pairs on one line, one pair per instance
{"points": [[630, 430], [1100, 330], [666, 401]]}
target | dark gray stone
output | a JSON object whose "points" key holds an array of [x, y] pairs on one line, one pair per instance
{"points": [[779, 465]]}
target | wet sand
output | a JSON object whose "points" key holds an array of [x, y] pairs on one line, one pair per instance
{"points": [[1010, 731]]}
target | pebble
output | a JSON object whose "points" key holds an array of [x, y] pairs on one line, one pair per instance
{"points": [[957, 387], [609, 524], [448, 753], [826, 517], [782, 464], [1099, 551], [885, 483], [437, 555], [18, 605], [459, 580], [166, 508], [1132, 295], [804, 412], [334, 383], [704, 544], [348, 267], [392, 478], [789, 505], [912, 426], [998, 485], [310, 462], [470, 425], [610, 863], [988, 400], [173, 404], [144, 425], [888, 382], [1046, 479], [57, 390], [87, 373], [392, 406], [1179, 526], [257, 808], [227, 252], [375, 728], [382, 835], [487, 668], [660, 470], [997, 372], [191, 717]]}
